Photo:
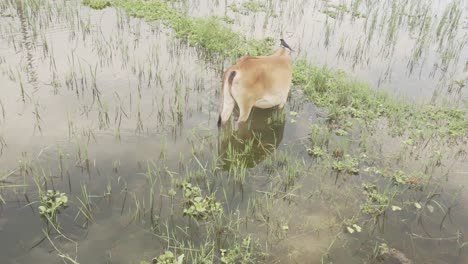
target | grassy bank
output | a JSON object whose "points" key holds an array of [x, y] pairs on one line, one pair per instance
{"points": [[352, 100]]}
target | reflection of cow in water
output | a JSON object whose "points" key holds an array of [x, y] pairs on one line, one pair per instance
{"points": [[253, 141]]}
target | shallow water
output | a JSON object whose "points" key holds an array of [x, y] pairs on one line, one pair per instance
{"points": [[92, 99]]}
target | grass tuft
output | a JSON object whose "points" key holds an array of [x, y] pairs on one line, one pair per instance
{"points": [[97, 4]]}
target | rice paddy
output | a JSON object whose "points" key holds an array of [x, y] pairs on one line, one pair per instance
{"points": [[110, 153]]}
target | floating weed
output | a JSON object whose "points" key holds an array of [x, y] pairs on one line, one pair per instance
{"points": [[197, 206], [413, 180], [399, 177], [347, 165], [377, 202], [51, 203]]}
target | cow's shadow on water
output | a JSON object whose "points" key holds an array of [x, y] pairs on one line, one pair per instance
{"points": [[252, 142]]}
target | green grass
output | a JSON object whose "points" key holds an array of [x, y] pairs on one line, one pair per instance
{"points": [[254, 6], [97, 4], [352, 100], [251, 6]]}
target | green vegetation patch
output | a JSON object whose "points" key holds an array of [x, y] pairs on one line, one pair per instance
{"points": [[334, 11], [197, 206], [51, 203], [251, 6], [351, 100], [346, 165], [97, 4], [254, 6]]}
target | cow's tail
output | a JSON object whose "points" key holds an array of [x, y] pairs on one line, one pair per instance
{"points": [[227, 94]]}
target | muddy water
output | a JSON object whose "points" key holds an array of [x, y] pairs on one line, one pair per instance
{"points": [[92, 99]]}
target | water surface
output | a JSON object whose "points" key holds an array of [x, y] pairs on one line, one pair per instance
{"points": [[93, 101]]}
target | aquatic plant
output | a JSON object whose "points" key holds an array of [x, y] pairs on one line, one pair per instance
{"points": [[241, 252], [347, 165], [51, 203], [197, 206], [377, 201], [316, 151]]}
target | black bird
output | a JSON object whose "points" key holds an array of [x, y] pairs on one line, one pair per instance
{"points": [[284, 44]]}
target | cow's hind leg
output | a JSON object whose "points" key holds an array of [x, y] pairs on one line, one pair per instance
{"points": [[283, 103], [244, 111], [242, 125], [228, 107]]}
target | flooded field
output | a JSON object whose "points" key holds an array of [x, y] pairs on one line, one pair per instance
{"points": [[110, 152]]}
